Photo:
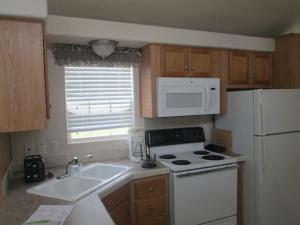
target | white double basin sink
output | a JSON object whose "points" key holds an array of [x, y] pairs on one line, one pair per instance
{"points": [[80, 184]]}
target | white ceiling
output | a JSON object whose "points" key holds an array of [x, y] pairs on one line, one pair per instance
{"points": [[265, 18]]}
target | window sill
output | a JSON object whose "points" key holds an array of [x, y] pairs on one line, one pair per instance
{"points": [[98, 139]]}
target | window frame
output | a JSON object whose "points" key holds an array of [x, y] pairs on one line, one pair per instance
{"points": [[103, 138]]}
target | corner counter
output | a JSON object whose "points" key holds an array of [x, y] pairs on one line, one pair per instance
{"points": [[19, 205]]}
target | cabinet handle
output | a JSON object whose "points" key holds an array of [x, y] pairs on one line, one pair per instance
{"points": [[185, 68], [151, 207], [151, 189], [193, 68]]}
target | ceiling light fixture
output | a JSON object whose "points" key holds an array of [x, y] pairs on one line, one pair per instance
{"points": [[103, 47]]}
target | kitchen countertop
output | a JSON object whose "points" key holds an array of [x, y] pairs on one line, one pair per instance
{"points": [[19, 205]]}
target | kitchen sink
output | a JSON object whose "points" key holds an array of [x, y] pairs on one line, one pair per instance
{"points": [[103, 171], [80, 184]]}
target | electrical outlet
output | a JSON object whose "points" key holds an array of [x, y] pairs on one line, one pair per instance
{"points": [[28, 150], [53, 146], [42, 148]]}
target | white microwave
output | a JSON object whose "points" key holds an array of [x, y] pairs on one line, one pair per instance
{"points": [[187, 96]]}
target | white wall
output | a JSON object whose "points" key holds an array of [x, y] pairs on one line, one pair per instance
{"points": [[294, 28], [78, 30], [57, 128], [24, 8]]}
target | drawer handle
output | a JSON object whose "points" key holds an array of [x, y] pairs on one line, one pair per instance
{"points": [[151, 189], [151, 208]]}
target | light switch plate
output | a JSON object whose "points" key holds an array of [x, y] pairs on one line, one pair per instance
{"points": [[28, 150]]}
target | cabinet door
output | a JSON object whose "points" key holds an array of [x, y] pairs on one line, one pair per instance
{"points": [[200, 62], [239, 73], [121, 214], [262, 68], [175, 61], [22, 81], [154, 220]]}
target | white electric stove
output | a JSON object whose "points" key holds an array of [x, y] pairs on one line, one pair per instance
{"points": [[203, 184], [182, 157]]}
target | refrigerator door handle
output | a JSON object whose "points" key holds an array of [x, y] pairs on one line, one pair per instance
{"points": [[262, 113], [263, 155]]}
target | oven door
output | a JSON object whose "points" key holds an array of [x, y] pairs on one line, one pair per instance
{"points": [[204, 195]]}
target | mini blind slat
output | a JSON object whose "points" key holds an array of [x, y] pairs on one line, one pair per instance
{"points": [[98, 98]]}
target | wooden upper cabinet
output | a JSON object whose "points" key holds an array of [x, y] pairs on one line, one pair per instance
{"points": [[250, 69], [239, 68], [200, 62], [22, 77], [262, 68], [175, 61], [178, 61]]}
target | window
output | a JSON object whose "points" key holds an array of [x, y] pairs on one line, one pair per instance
{"points": [[99, 102]]}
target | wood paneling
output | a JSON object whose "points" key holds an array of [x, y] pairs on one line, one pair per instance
{"points": [[220, 69], [175, 61], [262, 68], [239, 68], [22, 81], [200, 62], [286, 67]]}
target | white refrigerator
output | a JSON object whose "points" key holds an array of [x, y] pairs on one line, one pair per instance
{"points": [[265, 126]]}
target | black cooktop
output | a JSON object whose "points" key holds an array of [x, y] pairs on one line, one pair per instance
{"points": [[213, 157], [167, 156], [181, 162], [201, 152]]}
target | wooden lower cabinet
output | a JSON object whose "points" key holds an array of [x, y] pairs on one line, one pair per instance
{"points": [[154, 220], [150, 201], [118, 205], [151, 206], [121, 214], [141, 202]]}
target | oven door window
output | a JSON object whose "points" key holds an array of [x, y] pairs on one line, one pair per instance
{"points": [[184, 100]]}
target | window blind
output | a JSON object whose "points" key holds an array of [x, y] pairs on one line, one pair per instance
{"points": [[98, 98]]}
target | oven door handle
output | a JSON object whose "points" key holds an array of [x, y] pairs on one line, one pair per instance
{"points": [[187, 174]]}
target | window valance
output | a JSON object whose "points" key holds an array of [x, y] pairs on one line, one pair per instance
{"points": [[81, 55]]}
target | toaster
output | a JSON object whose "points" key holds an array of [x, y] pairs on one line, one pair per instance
{"points": [[34, 168]]}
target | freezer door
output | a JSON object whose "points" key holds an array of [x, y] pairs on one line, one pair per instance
{"points": [[276, 111], [277, 179]]}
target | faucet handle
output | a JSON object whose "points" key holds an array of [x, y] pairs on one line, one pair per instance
{"points": [[89, 156], [76, 161]]}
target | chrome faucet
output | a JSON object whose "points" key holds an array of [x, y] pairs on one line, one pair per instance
{"points": [[73, 162], [69, 166]]}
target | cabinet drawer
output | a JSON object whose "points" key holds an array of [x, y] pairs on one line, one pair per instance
{"points": [[121, 215], [150, 187], [154, 220], [116, 198], [151, 206]]}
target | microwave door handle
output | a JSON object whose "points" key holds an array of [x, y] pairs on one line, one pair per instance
{"points": [[207, 102]]}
